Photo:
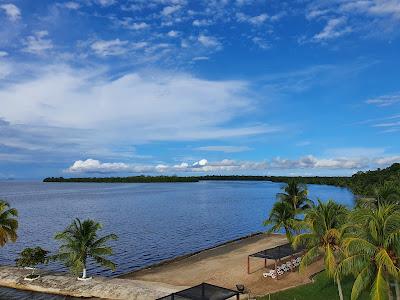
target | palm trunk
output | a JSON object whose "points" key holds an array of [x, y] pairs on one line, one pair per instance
{"points": [[339, 286], [397, 289]]}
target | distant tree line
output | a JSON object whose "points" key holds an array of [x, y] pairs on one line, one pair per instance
{"points": [[361, 183]]}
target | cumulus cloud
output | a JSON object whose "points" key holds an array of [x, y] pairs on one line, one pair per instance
{"points": [[109, 48], [209, 41], [203, 22], [230, 166], [12, 11], [168, 10], [255, 20], [106, 2], [173, 33], [38, 43], [72, 5]]}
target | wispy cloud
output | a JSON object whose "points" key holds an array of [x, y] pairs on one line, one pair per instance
{"points": [[386, 100], [334, 28]]}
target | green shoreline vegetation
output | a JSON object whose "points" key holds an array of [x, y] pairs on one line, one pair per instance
{"points": [[360, 183]]}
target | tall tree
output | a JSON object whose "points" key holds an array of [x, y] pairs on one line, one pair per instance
{"points": [[283, 216], [323, 223], [296, 195], [81, 242], [372, 248], [8, 223]]}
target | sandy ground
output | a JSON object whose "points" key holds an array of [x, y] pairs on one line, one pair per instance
{"points": [[226, 266]]}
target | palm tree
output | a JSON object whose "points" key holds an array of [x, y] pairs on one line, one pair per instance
{"points": [[8, 223], [81, 242], [386, 193], [323, 223], [283, 216], [373, 251], [295, 194]]}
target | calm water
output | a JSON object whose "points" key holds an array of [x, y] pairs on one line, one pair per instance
{"points": [[153, 221]]}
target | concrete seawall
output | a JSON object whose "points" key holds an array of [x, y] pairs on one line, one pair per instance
{"points": [[98, 287]]}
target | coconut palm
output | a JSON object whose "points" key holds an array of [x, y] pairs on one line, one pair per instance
{"points": [[295, 194], [373, 251], [8, 223], [283, 216], [387, 193], [81, 242], [323, 223]]}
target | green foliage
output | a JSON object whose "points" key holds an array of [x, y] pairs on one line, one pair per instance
{"points": [[322, 288], [323, 223], [80, 243], [372, 248], [295, 194], [282, 216], [8, 223], [292, 202], [31, 257]]}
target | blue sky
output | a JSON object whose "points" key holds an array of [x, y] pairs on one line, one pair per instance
{"points": [[107, 87]]}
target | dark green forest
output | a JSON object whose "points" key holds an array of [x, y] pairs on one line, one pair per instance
{"points": [[361, 183]]}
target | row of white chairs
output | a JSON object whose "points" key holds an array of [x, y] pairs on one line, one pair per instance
{"points": [[285, 267]]}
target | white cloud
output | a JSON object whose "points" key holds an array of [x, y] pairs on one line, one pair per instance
{"points": [[3, 53], [12, 11], [173, 33], [255, 20], [386, 100], [155, 107], [231, 166], [209, 41], [260, 42], [106, 2], [168, 10], [201, 23], [138, 26], [109, 48], [226, 149], [38, 43], [334, 28], [72, 5], [199, 58]]}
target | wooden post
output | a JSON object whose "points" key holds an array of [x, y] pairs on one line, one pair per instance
{"points": [[265, 262], [248, 264], [276, 270]]}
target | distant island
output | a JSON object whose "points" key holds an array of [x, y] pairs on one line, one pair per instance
{"points": [[360, 183]]}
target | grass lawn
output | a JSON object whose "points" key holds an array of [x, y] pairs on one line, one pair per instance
{"points": [[323, 288]]}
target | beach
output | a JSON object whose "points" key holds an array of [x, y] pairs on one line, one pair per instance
{"points": [[226, 266]]}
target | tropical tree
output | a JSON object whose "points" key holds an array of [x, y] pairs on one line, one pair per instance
{"points": [[386, 193], [372, 248], [324, 224], [31, 257], [283, 216], [80, 243], [8, 223], [295, 194]]}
